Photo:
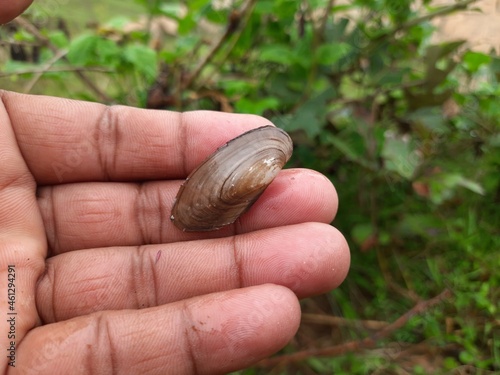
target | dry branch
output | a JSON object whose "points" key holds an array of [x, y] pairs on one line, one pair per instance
{"points": [[337, 321], [353, 346], [56, 69], [244, 16], [43, 40]]}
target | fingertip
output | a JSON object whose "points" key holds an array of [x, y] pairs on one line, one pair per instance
{"points": [[339, 261], [213, 333], [318, 197], [249, 324], [11, 9], [308, 258], [327, 263], [296, 196]]}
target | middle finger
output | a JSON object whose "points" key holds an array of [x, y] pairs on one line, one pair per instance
{"points": [[90, 215]]}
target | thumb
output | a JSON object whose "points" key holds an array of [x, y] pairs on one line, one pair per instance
{"points": [[11, 9]]}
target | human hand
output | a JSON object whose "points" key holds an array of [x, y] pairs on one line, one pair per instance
{"points": [[104, 283], [10, 9]]}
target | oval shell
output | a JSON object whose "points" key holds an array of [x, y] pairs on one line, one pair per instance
{"points": [[226, 184]]}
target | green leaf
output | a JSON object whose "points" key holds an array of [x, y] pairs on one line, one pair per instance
{"points": [[24, 36], [431, 118], [400, 156], [217, 16], [172, 10], [143, 59], [302, 53], [328, 54], [277, 53], [93, 50], [59, 39], [343, 8], [197, 6], [118, 22], [82, 49], [185, 44], [418, 224], [361, 232], [466, 357], [443, 186], [311, 115], [317, 365], [264, 7], [12, 66], [350, 145], [470, 185], [389, 77], [236, 87], [257, 107], [474, 60], [186, 24]]}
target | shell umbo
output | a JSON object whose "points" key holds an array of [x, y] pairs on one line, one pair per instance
{"points": [[230, 180]]}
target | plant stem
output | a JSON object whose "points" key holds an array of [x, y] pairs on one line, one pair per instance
{"points": [[352, 346], [42, 39], [246, 11]]}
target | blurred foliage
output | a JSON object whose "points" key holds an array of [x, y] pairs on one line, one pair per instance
{"points": [[407, 130]]}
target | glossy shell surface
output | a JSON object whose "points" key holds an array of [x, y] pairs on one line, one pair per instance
{"points": [[226, 184]]}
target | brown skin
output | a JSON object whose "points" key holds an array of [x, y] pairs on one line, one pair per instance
{"points": [[11, 9], [104, 283]]}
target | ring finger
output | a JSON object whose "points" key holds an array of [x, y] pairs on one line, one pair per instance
{"points": [[308, 258]]}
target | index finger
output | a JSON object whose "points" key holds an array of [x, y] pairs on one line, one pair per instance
{"points": [[66, 140]]}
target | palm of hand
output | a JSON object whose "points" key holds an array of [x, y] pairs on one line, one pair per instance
{"points": [[105, 283]]}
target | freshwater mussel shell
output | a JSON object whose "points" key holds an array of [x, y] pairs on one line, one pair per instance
{"points": [[230, 180]]}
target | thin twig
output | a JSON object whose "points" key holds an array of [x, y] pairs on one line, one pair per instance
{"points": [[57, 69], [18, 43], [381, 91], [201, 65], [208, 57], [427, 17], [318, 38], [338, 321], [352, 346], [28, 26], [245, 16], [57, 56], [42, 39], [324, 20]]}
